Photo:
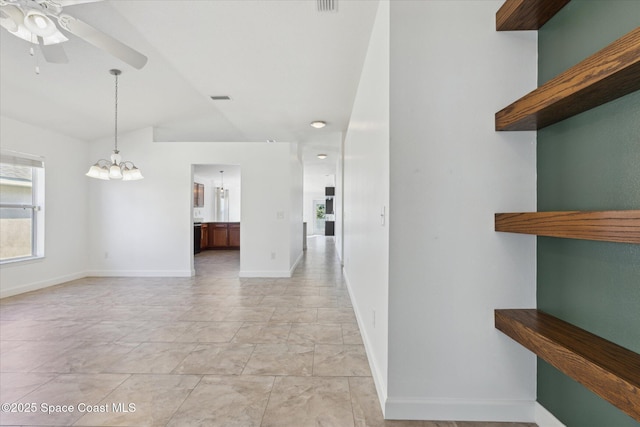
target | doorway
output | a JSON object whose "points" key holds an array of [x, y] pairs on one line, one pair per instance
{"points": [[319, 216], [216, 218]]}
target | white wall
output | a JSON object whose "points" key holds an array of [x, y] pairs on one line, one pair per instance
{"points": [[144, 228], [338, 202], [366, 191], [66, 162], [295, 210], [450, 172]]}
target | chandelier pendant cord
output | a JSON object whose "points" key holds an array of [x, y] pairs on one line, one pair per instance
{"points": [[116, 112]]}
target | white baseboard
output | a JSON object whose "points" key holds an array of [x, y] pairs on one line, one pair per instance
{"points": [[376, 373], [139, 273], [29, 287], [459, 410], [295, 264], [545, 418]]}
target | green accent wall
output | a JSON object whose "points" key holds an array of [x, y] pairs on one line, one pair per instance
{"points": [[588, 162]]}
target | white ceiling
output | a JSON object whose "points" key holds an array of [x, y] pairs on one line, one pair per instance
{"points": [[283, 63]]}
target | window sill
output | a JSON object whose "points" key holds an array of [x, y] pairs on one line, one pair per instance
{"points": [[20, 261]]}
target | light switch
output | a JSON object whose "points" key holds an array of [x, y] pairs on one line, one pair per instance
{"points": [[280, 215]]}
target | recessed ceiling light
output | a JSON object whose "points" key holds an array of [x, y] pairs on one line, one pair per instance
{"points": [[318, 124], [322, 156], [271, 141], [221, 97]]}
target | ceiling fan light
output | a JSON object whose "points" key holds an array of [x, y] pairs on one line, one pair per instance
{"points": [[39, 24]]}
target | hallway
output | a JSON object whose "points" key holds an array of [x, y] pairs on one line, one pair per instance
{"points": [[211, 350]]}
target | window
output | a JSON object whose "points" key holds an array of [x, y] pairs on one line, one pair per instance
{"points": [[21, 206]]}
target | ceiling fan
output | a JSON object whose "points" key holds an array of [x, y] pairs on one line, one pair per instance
{"points": [[35, 22]]}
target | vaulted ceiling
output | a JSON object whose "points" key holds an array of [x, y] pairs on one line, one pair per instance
{"points": [[282, 62]]}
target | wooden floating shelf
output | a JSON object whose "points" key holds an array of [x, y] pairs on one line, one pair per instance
{"points": [[606, 75], [515, 15], [607, 369], [607, 226]]}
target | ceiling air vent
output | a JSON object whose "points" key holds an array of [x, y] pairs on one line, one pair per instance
{"points": [[221, 97], [327, 5]]}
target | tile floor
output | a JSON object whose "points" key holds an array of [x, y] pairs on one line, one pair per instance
{"points": [[212, 350]]}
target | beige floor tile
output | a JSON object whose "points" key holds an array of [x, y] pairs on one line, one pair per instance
{"points": [[336, 315], [154, 358], [280, 301], [314, 333], [215, 332], [31, 354], [351, 334], [88, 357], [295, 315], [341, 361], [157, 331], [148, 400], [216, 359], [14, 385], [262, 333], [250, 314], [228, 401], [69, 390], [207, 314], [280, 359], [196, 351], [309, 401], [318, 301]]}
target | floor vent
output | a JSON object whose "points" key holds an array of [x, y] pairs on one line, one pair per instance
{"points": [[327, 5]]}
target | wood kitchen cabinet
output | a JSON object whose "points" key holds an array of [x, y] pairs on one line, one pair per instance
{"points": [[234, 235], [223, 235], [218, 235]]}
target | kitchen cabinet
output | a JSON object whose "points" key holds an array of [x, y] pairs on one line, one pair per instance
{"points": [[204, 236], [234, 235], [219, 235]]}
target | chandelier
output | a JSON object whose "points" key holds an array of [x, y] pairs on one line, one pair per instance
{"points": [[116, 168]]}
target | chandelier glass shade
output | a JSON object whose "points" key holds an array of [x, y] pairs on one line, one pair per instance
{"points": [[115, 168]]}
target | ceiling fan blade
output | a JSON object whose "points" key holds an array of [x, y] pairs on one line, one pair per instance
{"points": [[53, 53], [65, 3], [102, 41]]}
